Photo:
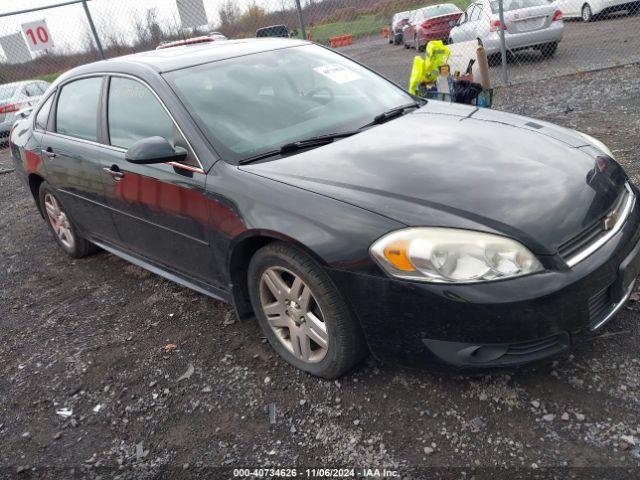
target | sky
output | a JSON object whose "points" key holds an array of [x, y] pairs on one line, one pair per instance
{"points": [[69, 27]]}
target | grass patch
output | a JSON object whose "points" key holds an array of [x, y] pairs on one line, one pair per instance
{"points": [[360, 27], [49, 77]]}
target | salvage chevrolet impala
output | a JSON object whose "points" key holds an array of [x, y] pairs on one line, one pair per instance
{"points": [[344, 214]]}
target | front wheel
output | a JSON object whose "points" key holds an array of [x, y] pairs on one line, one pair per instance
{"points": [[587, 15], [61, 225], [301, 312]]}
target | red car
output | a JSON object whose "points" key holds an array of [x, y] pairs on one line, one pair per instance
{"points": [[430, 23]]}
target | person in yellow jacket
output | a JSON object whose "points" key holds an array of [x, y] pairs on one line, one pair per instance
{"points": [[426, 70]]}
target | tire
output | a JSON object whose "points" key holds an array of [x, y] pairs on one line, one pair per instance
{"points": [[65, 233], [494, 59], [548, 50], [345, 345], [587, 14]]}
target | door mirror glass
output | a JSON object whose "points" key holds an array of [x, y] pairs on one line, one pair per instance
{"points": [[154, 150]]}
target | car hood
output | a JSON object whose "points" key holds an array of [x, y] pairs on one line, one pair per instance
{"points": [[458, 166]]}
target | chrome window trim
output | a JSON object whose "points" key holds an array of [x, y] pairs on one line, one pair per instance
{"points": [[34, 126], [628, 207], [145, 84]]}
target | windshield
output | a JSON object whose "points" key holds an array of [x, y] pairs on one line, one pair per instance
{"points": [[7, 91], [508, 5], [256, 103]]}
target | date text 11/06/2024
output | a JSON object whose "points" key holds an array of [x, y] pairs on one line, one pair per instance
{"points": [[359, 473]]}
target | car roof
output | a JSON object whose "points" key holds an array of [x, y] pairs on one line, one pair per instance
{"points": [[17, 84], [273, 26], [177, 58]]}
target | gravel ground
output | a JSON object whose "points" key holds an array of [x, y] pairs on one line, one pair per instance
{"points": [[604, 43], [108, 370]]}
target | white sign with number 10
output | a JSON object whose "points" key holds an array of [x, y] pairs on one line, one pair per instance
{"points": [[37, 35]]}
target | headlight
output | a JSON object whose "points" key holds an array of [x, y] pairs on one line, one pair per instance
{"points": [[596, 143], [447, 255]]}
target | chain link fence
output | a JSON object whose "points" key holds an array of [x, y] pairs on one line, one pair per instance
{"points": [[525, 39]]}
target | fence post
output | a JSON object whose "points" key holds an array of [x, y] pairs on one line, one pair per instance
{"points": [[93, 29], [503, 45], [301, 18]]}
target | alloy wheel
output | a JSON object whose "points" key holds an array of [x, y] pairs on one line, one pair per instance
{"points": [[59, 221], [586, 13], [293, 314]]}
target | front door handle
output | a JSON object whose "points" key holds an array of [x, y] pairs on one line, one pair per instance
{"points": [[49, 152], [115, 172]]}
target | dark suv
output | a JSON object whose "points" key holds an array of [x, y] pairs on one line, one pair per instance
{"points": [[273, 31]]}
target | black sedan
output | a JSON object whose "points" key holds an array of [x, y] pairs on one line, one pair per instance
{"points": [[343, 213]]}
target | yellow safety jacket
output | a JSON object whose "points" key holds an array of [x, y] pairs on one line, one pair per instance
{"points": [[427, 70]]}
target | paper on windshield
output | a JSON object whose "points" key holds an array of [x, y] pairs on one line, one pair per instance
{"points": [[337, 73]]}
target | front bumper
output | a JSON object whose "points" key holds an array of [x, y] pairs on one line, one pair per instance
{"points": [[500, 323]]}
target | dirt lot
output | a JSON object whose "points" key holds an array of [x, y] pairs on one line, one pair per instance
{"points": [[90, 385]]}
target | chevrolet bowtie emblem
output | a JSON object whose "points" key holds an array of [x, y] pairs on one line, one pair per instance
{"points": [[610, 221]]}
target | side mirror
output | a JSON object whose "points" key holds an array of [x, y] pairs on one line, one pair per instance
{"points": [[24, 113], [154, 150]]}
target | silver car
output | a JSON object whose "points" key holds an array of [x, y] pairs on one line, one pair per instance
{"points": [[15, 97], [528, 24]]}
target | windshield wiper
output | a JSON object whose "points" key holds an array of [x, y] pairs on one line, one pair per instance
{"points": [[393, 113], [320, 140], [316, 141]]}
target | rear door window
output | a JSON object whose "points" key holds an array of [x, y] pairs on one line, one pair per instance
{"points": [[476, 14], [33, 90], [77, 109], [509, 5], [469, 12]]}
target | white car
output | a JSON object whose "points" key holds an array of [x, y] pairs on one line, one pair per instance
{"points": [[528, 24], [587, 10], [15, 97]]}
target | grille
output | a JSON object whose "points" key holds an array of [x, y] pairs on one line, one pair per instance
{"points": [[598, 305], [593, 232], [581, 241]]}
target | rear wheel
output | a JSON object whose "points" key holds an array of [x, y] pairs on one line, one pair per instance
{"points": [[587, 15], [61, 224], [548, 50], [301, 312], [494, 59]]}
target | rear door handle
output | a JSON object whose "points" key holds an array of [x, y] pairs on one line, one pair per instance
{"points": [[115, 172], [49, 152]]}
